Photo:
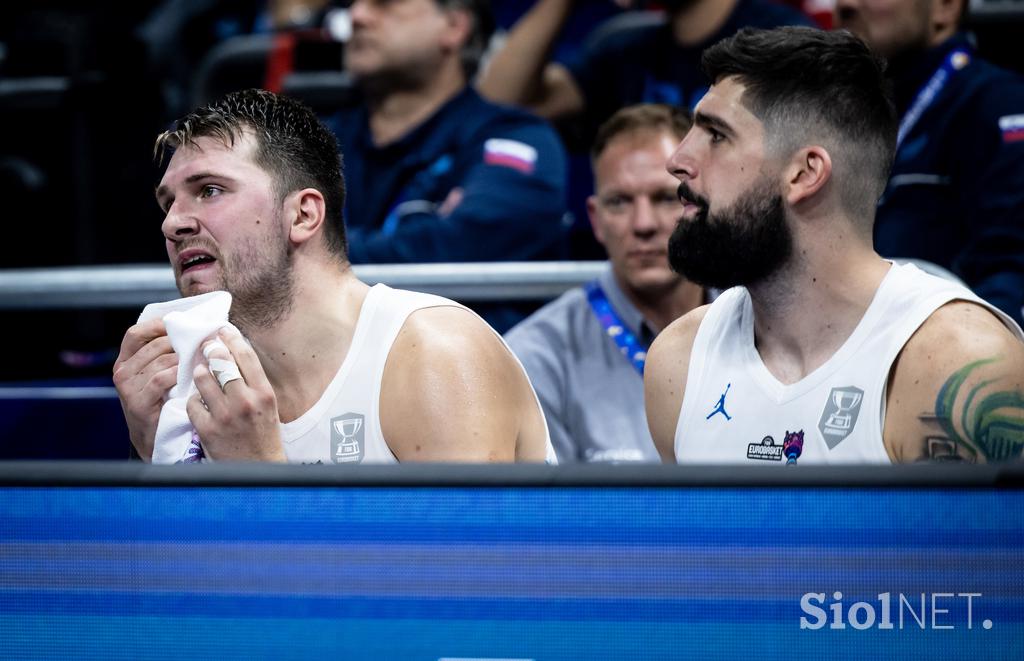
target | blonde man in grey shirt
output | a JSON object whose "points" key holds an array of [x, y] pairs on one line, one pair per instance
{"points": [[585, 351]]}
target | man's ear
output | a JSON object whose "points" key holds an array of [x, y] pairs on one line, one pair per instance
{"points": [[806, 174], [595, 219], [308, 213], [460, 24]]}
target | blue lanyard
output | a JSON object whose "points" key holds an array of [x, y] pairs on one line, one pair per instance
{"points": [[614, 328], [955, 61]]}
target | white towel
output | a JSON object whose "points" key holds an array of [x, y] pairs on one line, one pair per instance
{"points": [[190, 321]]}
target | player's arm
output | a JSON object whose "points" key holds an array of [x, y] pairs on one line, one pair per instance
{"points": [[668, 362], [521, 72], [452, 392], [956, 392]]}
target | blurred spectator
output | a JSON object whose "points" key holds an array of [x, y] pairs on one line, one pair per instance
{"points": [[956, 193], [585, 351], [649, 61], [436, 173]]}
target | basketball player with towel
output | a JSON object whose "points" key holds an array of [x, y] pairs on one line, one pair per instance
{"points": [[332, 370]]}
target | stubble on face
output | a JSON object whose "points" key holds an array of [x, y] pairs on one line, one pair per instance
{"points": [[259, 276], [261, 281]]}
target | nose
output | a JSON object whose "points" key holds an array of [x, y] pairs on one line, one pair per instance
{"points": [[357, 12], [681, 164], [179, 223], [643, 221]]}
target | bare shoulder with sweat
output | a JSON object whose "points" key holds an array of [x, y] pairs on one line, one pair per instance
{"points": [[956, 391], [665, 372], [453, 392]]}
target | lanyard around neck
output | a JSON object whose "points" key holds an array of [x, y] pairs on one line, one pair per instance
{"points": [[624, 338], [955, 61]]}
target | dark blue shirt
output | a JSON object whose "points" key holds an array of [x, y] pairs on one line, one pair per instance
{"points": [[508, 164], [645, 64], [956, 194]]}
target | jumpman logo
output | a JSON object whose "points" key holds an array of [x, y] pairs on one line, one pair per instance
{"points": [[720, 406]]}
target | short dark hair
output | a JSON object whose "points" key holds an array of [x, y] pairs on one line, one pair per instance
{"points": [[808, 84], [482, 27], [653, 117], [291, 144]]}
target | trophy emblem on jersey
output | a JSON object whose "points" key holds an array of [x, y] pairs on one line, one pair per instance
{"points": [[347, 438], [840, 415]]}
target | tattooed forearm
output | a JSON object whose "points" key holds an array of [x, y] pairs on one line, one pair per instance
{"points": [[976, 418]]}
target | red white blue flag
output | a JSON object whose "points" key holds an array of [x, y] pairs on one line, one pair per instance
{"points": [[1012, 127], [510, 153]]}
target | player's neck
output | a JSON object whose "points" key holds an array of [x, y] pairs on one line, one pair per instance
{"points": [[397, 111], [700, 20], [661, 307], [804, 313], [302, 353]]}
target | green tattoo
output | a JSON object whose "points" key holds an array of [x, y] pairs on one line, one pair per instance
{"points": [[991, 424]]}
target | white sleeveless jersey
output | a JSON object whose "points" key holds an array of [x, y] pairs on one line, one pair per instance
{"points": [[344, 425], [735, 411]]}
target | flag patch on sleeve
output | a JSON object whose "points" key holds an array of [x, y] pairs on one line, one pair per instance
{"points": [[1012, 127], [511, 154]]}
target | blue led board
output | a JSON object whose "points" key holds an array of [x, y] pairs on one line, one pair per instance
{"points": [[541, 573]]}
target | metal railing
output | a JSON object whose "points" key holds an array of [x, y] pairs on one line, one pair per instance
{"points": [[137, 285]]}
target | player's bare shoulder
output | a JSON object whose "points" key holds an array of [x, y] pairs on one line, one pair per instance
{"points": [[668, 362], [956, 391], [452, 391]]}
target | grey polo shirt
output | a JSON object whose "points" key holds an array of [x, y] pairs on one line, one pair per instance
{"points": [[592, 395]]}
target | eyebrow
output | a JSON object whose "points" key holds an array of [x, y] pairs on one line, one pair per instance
{"points": [[163, 192], [705, 120]]}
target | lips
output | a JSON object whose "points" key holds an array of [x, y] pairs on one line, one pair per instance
{"points": [[693, 204], [646, 254], [194, 259]]}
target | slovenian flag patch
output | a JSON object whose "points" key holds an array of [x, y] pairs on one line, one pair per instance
{"points": [[1012, 127], [511, 154]]}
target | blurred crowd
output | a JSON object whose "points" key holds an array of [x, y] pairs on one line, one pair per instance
{"points": [[487, 156]]}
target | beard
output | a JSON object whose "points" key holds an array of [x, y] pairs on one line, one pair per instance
{"points": [[738, 246], [261, 281], [258, 275]]}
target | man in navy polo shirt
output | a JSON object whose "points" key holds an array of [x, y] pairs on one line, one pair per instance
{"points": [[434, 172], [956, 193]]}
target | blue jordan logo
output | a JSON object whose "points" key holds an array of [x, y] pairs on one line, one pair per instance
{"points": [[720, 406]]}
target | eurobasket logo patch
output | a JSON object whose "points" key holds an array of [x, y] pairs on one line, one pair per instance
{"points": [[766, 450], [511, 154]]}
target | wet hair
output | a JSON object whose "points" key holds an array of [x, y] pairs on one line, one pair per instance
{"points": [[808, 85], [291, 145], [643, 117]]}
